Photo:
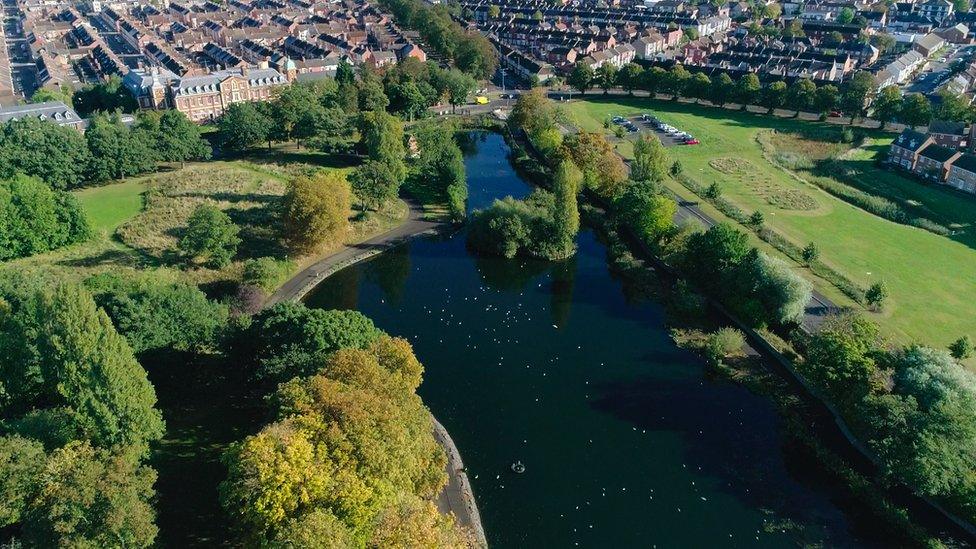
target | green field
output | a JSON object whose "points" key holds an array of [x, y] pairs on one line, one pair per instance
{"points": [[930, 276], [109, 206]]}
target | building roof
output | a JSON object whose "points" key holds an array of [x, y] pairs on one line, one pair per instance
{"points": [[966, 162], [911, 140], [54, 111], [948, 127], [937, 152]]}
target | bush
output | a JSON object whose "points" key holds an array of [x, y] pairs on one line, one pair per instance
{"points": [[316, 211], [265, 272], [962, 348], [723, 343]]}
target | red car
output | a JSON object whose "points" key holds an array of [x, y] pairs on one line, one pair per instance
{"points": [[692, 142], [835, 114]]}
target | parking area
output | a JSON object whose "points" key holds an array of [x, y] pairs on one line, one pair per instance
{"points": [[669, 135]]}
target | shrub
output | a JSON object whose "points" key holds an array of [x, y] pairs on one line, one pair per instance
{"points": [[877, 294], [723, 343], [962, 348], [265, 272], [316, 211]]}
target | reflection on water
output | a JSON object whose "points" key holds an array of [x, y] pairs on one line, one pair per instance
{"points": [[626, 439]]}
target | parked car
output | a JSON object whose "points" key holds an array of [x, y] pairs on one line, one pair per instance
{"points": [[835, 114], [692, 142]]}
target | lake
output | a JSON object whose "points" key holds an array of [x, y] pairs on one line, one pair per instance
{"points": [[626, 439]]}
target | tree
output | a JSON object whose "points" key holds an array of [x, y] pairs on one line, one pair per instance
{"points": [[383, 140], [916, 110], [961, 348], [709, 256], [781, 294], [931, 442], [649, 214], [43, 95], [476, 56], [64, 363], [345, 73], [650, 159], [801, 95], [155, 315], [748, 89], [35, 218], [826, 98], [459, 86], [22, 461], [494, 11], [630, 77], [951, 106], [374, 184], [57, 154], [677, 80], [176, 138], [603, 170], [653, 79], [316, 211], [290, 339], [845, 16], [581, 77], [721, 90], [774, 95], [441, 166], [243, 126], [887, 105], [698, 86], [876, 295], [757, 219], [841, 358], [961, 6], [118, 151], [810, 253], [210, 236], [109, 96], [883, 41], [676, 168], [565, 215], [606, 75], [855, 92]]}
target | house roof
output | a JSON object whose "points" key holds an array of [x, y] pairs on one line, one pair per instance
{"points": [[937, 152], [911, 140], [54, 111], [949, 127], [966, 162]]}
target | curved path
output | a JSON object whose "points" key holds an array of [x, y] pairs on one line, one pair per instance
{"points": [[302, 283], [457, 496]]}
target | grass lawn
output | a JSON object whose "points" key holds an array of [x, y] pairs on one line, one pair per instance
{"points": [[109, 206], [930, 276]]}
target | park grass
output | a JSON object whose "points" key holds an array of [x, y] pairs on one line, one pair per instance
{"points": [[109, 206], [929, 276], [138, 221]]}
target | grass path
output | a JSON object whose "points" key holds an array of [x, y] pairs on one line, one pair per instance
{"points": [[931, 278]]}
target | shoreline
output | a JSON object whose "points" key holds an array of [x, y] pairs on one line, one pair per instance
{"points": [[457, 496]]}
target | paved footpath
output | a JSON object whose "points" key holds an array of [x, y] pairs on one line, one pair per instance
{"points": [[457, 496], [302, 283]]}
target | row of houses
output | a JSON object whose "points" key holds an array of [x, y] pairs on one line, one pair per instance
{"points": [[943, 155]]}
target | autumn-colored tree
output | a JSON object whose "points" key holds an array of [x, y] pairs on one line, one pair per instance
{"points": [[316, 211]]}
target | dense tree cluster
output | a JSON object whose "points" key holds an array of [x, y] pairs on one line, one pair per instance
{"points": [[349, 459], [64, 158], [543, 225], [290, 340], [761, 289], [916, 406], [78, 413], [35, 218], [210, 237], [154, 315]]}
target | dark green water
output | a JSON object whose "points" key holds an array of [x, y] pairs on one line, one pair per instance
{"points": [[626, 440]]}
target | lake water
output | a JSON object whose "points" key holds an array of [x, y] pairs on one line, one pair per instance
{"points": [[626, 440]]}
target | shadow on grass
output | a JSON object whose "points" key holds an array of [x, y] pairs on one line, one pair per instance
{"points": [[207, 406]]}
